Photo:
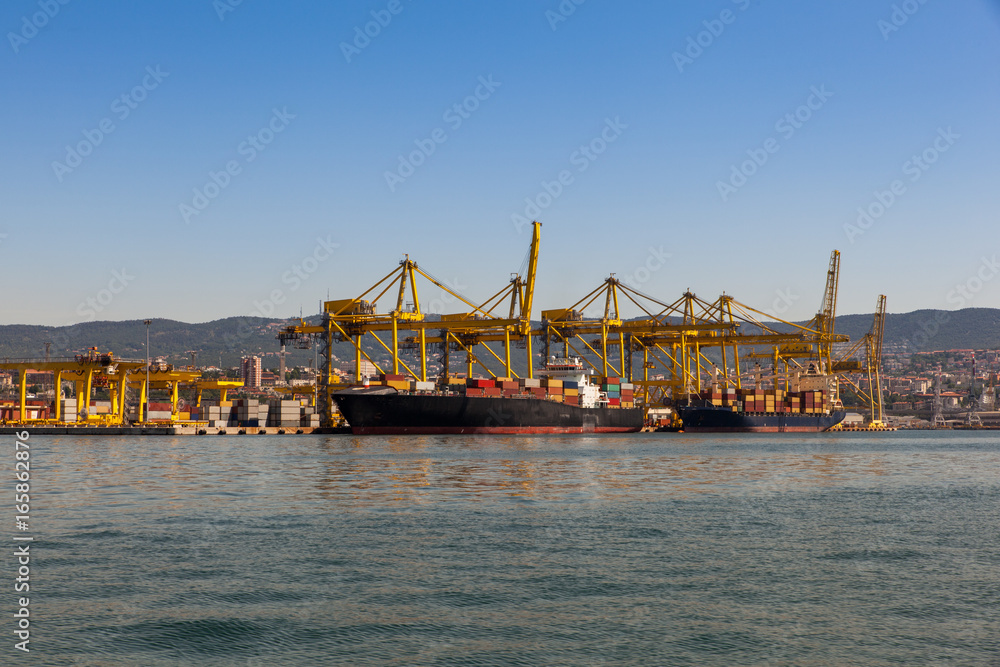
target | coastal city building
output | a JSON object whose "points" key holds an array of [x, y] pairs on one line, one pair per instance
{"points": [[250, 372]]}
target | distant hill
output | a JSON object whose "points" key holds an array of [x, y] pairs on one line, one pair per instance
{"points": [[925, 330], [226, 341]]}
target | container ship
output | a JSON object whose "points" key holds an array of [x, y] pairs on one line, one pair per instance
{"points": [[761, 410], [566, 400]]}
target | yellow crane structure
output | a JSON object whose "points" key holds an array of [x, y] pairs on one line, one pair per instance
{"points": [[869, 390], [503, 318], [306, 390], [673, 338], [95, 369], [86, 371], [825, 319], [661, 333], [819, 349], [172, 379]]}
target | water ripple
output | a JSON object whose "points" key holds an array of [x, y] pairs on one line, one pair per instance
{"points": [[576, 550]]}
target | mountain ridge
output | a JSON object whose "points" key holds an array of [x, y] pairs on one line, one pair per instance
{"points": [[224, 341]]}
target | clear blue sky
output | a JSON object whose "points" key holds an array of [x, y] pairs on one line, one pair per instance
{"points": [[338, 111]]}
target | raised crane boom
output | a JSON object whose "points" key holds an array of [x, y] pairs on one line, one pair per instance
{"points": [[825, 319], [829, 311], [529, 288], [875, 360]]}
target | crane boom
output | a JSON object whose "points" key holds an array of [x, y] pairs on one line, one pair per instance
{"points": [[830, 293], [875, 361], [529, 290]]}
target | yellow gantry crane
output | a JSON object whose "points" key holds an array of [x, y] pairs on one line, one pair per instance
{"points": [[503, 318], [871, 393], [826, 318], [671, 337], [173, 379], [95, 369], [86, 371], [661, 333]]}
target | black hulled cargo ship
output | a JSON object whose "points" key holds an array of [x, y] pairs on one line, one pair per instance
{"points": [[715, 419], [565, 402], [809, 407]]}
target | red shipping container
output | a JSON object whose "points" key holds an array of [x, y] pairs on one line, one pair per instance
{"points": [[480, 383], [571, 400], [537, 391], [507, 384], [554, 391], [614, 401], [474, 392], [492, 391]]}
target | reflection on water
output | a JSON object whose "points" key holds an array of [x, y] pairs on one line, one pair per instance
{"points": [[615, 468], [638, 549]]}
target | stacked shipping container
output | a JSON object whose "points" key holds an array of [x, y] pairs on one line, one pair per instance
{"points": [[768, 400]]}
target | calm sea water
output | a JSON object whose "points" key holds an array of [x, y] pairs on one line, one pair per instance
{"points": [[647, 549]]}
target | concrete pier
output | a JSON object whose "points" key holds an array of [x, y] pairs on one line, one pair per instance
{"points": [[168, 430]]}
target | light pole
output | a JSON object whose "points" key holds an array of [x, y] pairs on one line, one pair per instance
{"points": [[145, 414]]}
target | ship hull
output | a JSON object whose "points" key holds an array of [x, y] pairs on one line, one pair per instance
{"points": [[724, 420], [381, 412]]}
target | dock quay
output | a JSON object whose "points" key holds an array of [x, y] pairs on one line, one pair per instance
{"points": [[169, 430]]}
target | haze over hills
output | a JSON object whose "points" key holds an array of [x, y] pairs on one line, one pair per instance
{"points": [[225, 341]]}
